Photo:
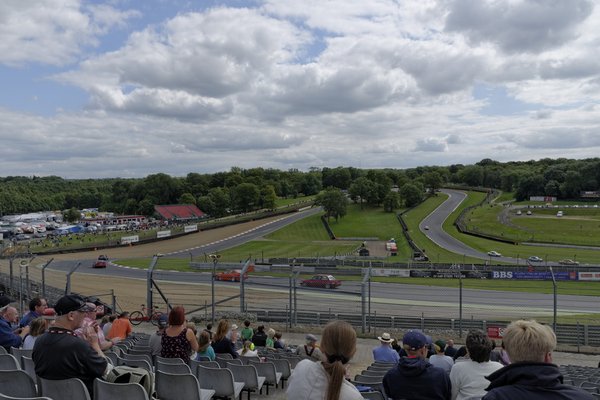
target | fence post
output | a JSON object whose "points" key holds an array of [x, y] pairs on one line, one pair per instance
{"points": [[44, 278]]}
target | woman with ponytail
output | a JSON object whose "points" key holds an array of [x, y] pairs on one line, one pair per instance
{"points": [[325, 379]]}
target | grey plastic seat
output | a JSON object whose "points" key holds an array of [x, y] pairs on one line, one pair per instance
{"points": [[220, 380], [293, 360], [248, 376], [63, 389], [224, 361], [225, 356], [17, 383], [246, 360], [20, 352], [140, 350], [29, 367], [267, 369], [8, 362], [5, 397], [3, 350], [112, 356], [282, 365], [173, 368], [210, 364], [114, 391], [166, 360], [178, 387], [135, 363], [128, 356], [373, 395]]}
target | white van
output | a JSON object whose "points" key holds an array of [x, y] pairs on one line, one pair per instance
{"points": [[559, 214]]}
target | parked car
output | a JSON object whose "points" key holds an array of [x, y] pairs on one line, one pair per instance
{"points": [[322, 281], [233, 275], [494, 254], [568, 262], [101, 262], [535, 259]]}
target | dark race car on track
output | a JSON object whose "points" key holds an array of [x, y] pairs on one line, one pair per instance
{"points": [[322, 281]]}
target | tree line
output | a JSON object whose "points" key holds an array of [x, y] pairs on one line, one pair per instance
{"points": [[242, 190]]}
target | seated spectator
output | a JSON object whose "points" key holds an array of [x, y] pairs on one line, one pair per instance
{"points": [[532, 375], [204, 347], [270, 343], [504, 358], [155, 341], [260, 337], [121, 328], [279, 343], [234, 335], [325, 380], [468, 377], [439, 359], [208, 330], [310, 350], [221, 344], [384, 351], [37, 305], [9, 317], [450, 349], [60, 354], [90, 320], [248, 350], [247, 332], [37, 327], [415, 378], [178, 340], [461, 354], [106, 327]]}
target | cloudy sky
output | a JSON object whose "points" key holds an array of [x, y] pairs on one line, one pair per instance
{"points": [[133, 87]]}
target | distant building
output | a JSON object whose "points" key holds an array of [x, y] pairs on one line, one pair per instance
{"points": [[179, 212], [545, 199], [589, 195]]}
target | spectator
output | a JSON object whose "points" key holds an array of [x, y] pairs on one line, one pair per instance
{"points": [[461, 354], [121, 328], [468, 377], [208, 330], [248, 350], [59, 354], [384, 351], [279, 343], [532, 375], [233, 334], [450, 349], [108, 325], [310, 350], [90, 320], [220, 342], [37, 327], [415, 378], [439, 359], [155, 342], [504, 358], [260, 337], [37, 306], [9, 317], [270, 338], [247, 332], [204, 347], [178, 340], [325, 380]]}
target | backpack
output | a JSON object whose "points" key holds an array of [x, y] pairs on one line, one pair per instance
{"points": [[124, 374]]}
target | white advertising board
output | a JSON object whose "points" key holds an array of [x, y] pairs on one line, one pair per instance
{"points": [[163, 234], [589, 276], [405, 273], [130, 239], [190, 228]]}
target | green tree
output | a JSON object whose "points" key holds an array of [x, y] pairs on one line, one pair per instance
{"points": [[268, 197], [433, 181], [391, 202], [361, 190], [333, 201], [411, 194], [72, 215], [245, 197], [187, 198]]}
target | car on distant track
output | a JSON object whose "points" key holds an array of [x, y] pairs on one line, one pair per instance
{"points": [[535, 259], [322, 281], [101, 262], [494, 254], [426, 227], [568, 262], [233, 275], [528, 212]]}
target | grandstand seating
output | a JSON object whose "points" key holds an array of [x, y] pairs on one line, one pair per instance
{"points": [[64, 389], [248, 375], [220, 380], [178, 387], [17, 383], [267, 369], [118, 391]]}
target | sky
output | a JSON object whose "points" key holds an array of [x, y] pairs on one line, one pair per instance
{"points": [[128, 88]]}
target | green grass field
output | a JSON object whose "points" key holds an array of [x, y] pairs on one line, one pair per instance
{"points": [[368, 222]]}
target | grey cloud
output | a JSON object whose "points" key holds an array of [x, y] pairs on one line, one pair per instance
{"points": [[574, 68], [523, 26], [556, 138], [453, 139], [541, 114], [431, 145]]}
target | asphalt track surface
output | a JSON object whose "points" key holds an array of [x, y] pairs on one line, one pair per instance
{"points": [[386, 298]]}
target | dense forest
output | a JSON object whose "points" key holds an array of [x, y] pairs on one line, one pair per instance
{"points": [[242, 190]]}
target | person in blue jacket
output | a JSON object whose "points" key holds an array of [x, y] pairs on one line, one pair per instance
{"points": [[9, 316]]}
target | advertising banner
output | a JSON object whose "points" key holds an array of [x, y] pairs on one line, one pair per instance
{"points": [[534, 275], [405, 273], [130, 239], [495, 332], [589, 276], [190, 228], [163, 234]]}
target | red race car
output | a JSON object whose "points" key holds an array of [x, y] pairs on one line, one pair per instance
{"points": [[101, 262], [231, 275], [322, 281]]}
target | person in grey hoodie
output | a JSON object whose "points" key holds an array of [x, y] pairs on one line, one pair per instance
{"points": [[531, 376], [415, 378]]}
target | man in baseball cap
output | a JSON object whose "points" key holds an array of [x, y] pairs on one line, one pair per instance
{"points": [[415, 378]]}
